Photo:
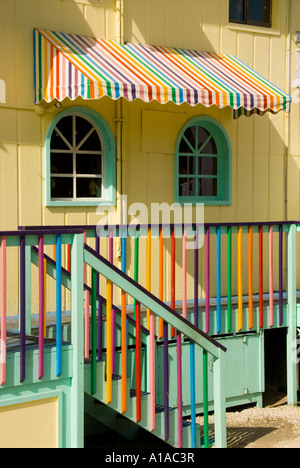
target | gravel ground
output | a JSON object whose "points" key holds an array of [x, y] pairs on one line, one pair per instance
{"points": [[274, 426]]}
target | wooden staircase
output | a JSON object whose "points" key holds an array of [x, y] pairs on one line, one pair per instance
{"points": [[139, 405], [169, 425], [103, 386], [109, 414]]}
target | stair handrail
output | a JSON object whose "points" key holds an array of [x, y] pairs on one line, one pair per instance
{"points": [[184, 328], [66, 282], [153, 303]]}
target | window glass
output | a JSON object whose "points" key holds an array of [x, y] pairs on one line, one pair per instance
{"points": [[186, 165], [58, 141], [61, 163], [259, 11], [187, 187], [187, 144], [208, 146], [76, 160], [88, 164], [208, 166], [203, 163], [88, 187], [64, 129], [80, 162], [82, 130], [255, 12], [197, 140], [91, 142], [237, 10], [61, 187], [208, 187], [203, 136]]}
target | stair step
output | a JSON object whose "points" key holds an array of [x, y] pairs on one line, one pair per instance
{"points": [[114, 377], [131, 409], [211, 441], [161, 409], [133, 393], [186, 423]]}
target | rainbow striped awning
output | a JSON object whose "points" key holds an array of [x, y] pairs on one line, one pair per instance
{"points": [[68, 66]]}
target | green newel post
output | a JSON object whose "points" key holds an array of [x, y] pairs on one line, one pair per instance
{"points": [[292, 316], [77, 299], [220, 400]]}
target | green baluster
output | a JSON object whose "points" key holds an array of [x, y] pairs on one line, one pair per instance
{"points": [[205, 399]]}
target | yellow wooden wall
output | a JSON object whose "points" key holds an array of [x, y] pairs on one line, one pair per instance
{"points": [[149, 130], [30, 425], [22, 130], [258, 143]]}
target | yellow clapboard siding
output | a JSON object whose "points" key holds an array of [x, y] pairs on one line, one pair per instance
{"points": [[211, 25], [50, 14], [156, 14], [8, 127], [277, 183], [8, 186], [30, 425], [26, 17], [165, 126], [72, 17], [244, 187], [260, 187], [29, 124], [30, 179], [95, 22], [261, 141], [261, 60], [174, 32], [7, 51]]}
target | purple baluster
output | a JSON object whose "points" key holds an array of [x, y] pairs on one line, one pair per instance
{"points": [[166, 382], [100, 323], [41, 307], [280, 276], [207, 281], [196, 280], [111, 259], [179, 391], [22, 310], [100, 306]]}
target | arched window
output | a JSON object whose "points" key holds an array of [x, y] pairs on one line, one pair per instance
{"points": [[203, 163], [80, 160]]}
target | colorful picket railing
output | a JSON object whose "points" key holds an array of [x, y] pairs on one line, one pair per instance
{"points": [[223, 250], [94, 338], [93, 342], [248, 253], [116, 278], [247, 267], [237, 251], [96, 343], [23, 242]]}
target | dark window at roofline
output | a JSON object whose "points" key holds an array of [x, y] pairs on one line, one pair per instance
{"points": [[252, 12]]}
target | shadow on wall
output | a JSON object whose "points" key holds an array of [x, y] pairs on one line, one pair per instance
{"points": [[186, 23]]}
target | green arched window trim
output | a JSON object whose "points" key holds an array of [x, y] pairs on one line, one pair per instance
{"points": [[224, 155], [109, 186]]}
